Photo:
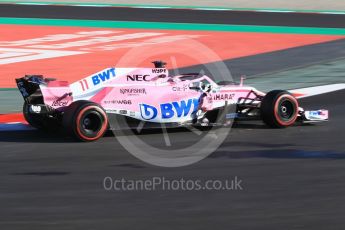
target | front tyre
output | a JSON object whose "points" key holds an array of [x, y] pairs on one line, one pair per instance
{"points": [[279, 109], [85, 120]]}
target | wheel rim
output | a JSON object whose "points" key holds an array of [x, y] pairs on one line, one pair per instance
{"points": [[286, 109], [91, 123]]}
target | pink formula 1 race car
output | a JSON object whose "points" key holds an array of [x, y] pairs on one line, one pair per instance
{"points": [[151, 96]]}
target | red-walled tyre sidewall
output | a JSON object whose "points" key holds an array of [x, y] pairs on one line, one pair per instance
{"points": [[276, 108], [73, 119], [270, 106]]}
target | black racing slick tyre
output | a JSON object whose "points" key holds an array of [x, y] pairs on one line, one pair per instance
{"points": [[85, 121], [279, 109]]}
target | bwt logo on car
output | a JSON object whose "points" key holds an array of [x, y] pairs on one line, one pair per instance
{"points": [[104, 76], [170, 110]]}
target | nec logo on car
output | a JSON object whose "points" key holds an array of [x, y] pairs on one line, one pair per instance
{"points": [[104, 76], [137, 77], [170, 110]]}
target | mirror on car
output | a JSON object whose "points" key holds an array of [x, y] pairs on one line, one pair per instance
{"points": [[200, 86], [196, 85]]}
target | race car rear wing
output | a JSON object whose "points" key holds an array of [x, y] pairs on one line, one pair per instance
{"points": [[29, 84]]}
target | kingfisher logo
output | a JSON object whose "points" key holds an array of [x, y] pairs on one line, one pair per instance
{"points": [[170, 110], [103, 76]]}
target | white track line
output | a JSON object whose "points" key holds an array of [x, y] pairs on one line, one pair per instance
{"points": [[316, 90]]}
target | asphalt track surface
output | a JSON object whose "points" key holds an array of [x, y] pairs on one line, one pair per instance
{"points": [[292, 178], [276, 61]]}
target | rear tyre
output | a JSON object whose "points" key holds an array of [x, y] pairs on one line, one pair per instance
{"points": [[85, 121], [279, 109]]}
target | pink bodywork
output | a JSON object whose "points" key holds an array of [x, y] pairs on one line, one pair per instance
{"points": [[145, 93]]}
